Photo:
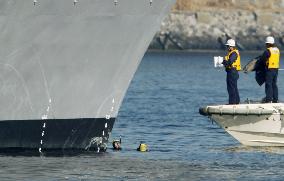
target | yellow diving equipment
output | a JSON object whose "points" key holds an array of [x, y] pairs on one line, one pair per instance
{"points": [[273, 60], [142, 147], [237, 63]]}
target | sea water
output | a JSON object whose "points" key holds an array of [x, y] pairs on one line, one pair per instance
{"points": [[161, 109]]}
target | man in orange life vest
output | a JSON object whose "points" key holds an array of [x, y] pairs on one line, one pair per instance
{"points": [[271, 60], [232, 63]]}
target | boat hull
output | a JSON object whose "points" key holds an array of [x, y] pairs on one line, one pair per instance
{"points": [[260, 125], [55, 134], [67, 65]]}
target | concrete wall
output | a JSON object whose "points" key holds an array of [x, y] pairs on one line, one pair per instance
{"points": [[207, 24]]}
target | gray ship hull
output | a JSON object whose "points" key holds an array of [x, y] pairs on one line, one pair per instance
{"points": [[67, 63]]}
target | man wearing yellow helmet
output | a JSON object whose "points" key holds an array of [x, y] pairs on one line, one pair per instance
{"points": [[232, 63]]}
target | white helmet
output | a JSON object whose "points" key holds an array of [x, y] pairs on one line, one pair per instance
{"points": [[231, 43], [269, 40]]}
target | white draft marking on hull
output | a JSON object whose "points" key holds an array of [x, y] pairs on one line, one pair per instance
{"points": [[42, 136], [44, 117], [45, 84]]}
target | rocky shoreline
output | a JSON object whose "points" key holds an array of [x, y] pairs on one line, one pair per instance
{"points": [[210, 28]]}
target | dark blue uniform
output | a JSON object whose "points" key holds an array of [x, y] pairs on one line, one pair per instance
{"points": [[232, 79], [271, 74]]}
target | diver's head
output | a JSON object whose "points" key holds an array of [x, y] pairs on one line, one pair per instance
{"points": [[116, 145]]}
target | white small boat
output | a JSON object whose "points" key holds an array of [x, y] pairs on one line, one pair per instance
{"points": [[251, 124]]}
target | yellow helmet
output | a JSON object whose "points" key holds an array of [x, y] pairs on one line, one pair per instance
{"points": [[142, 147]]}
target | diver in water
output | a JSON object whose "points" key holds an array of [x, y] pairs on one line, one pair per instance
{"points": [[116, 144]]}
